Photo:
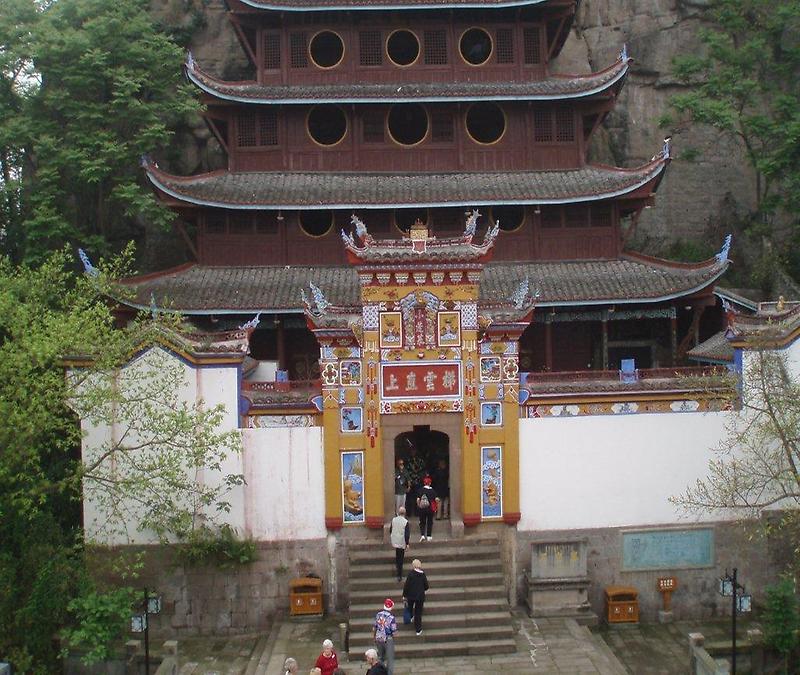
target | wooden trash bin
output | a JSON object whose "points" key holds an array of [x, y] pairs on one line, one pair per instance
{"points": [[622, 604], [305, 597]]}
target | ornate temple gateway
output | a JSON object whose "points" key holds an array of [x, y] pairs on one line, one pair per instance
{"points": [[416, 120], [409, 255]]}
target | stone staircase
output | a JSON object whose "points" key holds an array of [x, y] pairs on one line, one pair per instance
{"points": [[466, 609]]}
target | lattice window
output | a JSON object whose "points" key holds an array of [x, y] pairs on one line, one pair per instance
{"points": [[504, 45], [441, 126], [542, 126], [268, 128], [601, 215], [271, 46], [372, 122], [551, 217], [370, 48], [565, 125], [435, 47], [576, 216], [246, 131], [532, 39], [298, 50]]}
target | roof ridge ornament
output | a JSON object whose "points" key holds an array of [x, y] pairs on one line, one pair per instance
{"points": [[623, 53], [319, 298], [491, 233], [722, 256], [666, 150], [190, 62], [361, 229], [252, 324], [472, 224], [153, 306], [88, 268]]}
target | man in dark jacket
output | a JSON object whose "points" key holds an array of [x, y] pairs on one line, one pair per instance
{"points": [[414, 593], [375, 666]]}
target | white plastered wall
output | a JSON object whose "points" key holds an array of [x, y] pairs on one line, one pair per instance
{"points": [[212, 385], [617, 470], [285, 493], [611, 470]]}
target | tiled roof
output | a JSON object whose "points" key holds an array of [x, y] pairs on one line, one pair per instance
{"points": [[293, 190], [195, 289], [555, 87], [312, 5], [773, 325], [716, 349]]}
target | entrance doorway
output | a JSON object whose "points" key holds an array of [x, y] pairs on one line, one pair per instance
{"points": [[425, 452]]}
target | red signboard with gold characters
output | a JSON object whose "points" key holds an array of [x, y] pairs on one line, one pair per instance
{"points": [[414, 380]]}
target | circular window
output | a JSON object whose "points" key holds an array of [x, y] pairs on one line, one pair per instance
{"points": [[486, 122], [408, 123], [476, 46], [327, 124], [405, 218], [510, 217], [316, 223], [326, 49], [402, 47]]}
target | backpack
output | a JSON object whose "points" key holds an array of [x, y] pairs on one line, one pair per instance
{"points": [[424, 502]]}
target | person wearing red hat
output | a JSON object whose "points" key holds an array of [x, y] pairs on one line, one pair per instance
{"points": [[426, 508], [383, 632]]}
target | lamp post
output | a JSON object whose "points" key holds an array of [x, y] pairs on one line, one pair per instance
{"points": [[740, 602], [151, 604]]}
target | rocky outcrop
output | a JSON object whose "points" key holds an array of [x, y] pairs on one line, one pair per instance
{"points": [[696, 200]]}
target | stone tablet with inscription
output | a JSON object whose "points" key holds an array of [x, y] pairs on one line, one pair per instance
{"points": [[667, 549]]}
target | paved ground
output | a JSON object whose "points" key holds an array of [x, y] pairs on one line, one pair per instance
{"points": [[544, 646]]}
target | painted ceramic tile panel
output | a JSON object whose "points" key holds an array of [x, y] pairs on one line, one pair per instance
{"points": [[491, 482], [448, 332], [491, 414], [353, 486], [350, 373], [352, 419], [391, 330]]}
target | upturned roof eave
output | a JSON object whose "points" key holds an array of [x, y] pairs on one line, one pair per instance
{"points": [[206, 84], [649, 177]]}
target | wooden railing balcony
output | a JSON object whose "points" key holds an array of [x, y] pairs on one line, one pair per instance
{"points": [[676, 379], [293, 386]]}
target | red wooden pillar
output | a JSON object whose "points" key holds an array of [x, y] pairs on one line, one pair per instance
{"points": [[281, 344], [548, 345]]}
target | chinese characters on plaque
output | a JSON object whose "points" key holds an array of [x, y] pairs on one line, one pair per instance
{"points": [[421, 380]]}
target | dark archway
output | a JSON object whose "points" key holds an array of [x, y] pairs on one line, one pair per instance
{"points": [[425, 452]]}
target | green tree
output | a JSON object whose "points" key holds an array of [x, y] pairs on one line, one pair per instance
{"points": [[755, 473], [45, 314], [782, 619], [90, 86], [746, 84]]}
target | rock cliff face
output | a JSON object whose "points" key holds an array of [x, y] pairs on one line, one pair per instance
{"points": [[696, 201]]}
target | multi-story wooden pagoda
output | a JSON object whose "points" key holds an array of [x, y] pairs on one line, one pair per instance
{"points": [[408, 115]]}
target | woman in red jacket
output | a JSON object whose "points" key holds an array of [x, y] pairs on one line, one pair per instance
{"points": [[327, 661]]}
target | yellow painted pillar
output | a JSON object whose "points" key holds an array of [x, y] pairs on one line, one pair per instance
{"points": [[333, 461]]}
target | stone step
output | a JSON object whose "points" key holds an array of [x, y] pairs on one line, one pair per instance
{"points": [[462, 593], [379, 566], [466, 542], [473, 605], [428, 552], [440, 634], [362, 625], [422, 647], [454, 580]]}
